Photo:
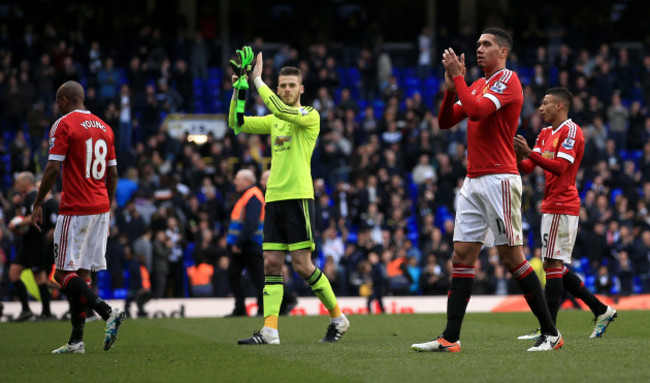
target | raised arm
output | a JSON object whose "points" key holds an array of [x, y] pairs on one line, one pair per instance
{"points": [[475, 109], [451, 113], [256, 125], [455, 68]]}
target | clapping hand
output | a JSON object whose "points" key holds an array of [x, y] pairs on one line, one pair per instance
{"points": [[454, 66], [521, 147]]}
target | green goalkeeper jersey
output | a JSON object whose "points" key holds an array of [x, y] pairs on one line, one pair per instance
{"points": [[293, 137]]}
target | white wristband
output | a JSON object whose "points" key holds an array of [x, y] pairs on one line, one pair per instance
{"points": [[258, 82]]}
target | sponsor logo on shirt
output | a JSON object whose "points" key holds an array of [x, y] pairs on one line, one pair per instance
{"points": [[280, 140], [568, 143], [498, 87]]}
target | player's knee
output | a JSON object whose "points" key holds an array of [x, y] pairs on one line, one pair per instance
{"points": [[14, 272], [272, 266], [466, 253], [60, 276], [463, 258], [304, 268], [553, 263]]}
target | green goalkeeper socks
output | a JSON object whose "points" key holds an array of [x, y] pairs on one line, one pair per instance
{"points": [[272, 296], [320, 285]]}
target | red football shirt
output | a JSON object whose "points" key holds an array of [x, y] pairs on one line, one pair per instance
{"points": [[84, 144], [490, 131], [566, 142]]}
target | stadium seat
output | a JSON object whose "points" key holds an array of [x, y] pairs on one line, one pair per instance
{"points": [[214, 73], [378, 106], [411, 82], [343, 80], [430, 86], [104, 284], [188, 252], [615, 193], [410, 72], [352, 236], [122, 76], [414, 237], [442, 214], [7, 181], [637, 285], [120, 293], [354, 77], [552, 76], [337, 96], [8, 135], [584, 266], [590, 283], [398, 73]]}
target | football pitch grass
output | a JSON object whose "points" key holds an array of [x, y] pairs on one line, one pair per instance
{"points": [[376, 349]]}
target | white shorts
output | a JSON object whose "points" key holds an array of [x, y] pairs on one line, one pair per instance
{"points": [[80, 242], [490, 202], [559, 233]]}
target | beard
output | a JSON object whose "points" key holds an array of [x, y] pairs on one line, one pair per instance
{"points": [[291, 100]]}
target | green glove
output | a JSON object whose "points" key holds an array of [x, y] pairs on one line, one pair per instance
{"points": [[240, 65], [242, 61]]}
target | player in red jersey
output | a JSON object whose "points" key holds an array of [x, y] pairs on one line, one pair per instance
{"points": [[81, 147], [558, 150], [490, 198]]}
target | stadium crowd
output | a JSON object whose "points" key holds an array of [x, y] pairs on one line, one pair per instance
{"points": [[385, 174]]}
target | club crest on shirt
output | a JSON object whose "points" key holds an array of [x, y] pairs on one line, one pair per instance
{"points": [[498, 87], [555, 142], [303, 111], [568, 143]]}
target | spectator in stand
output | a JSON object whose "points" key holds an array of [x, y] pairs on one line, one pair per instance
{"points": [[617, 117], [604, 282], [182, 82], [425, 52], [107, 81]]}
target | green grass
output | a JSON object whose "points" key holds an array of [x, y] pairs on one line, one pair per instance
{"points": [[375, 350]]}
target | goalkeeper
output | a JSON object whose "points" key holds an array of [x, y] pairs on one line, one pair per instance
{"points": [[289, 209]]}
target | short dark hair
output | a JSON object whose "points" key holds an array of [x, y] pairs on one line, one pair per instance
{"points": [[291, 71], [503, 37], [563, 95]]}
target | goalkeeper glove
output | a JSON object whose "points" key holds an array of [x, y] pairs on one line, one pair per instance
{"points": [[240, 65]]}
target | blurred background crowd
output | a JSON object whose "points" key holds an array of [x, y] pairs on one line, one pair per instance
{"points": [[385, 174]]}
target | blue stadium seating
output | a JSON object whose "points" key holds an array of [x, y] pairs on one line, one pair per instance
{"points": [[590, 283], [104, 284], [430, 86], [637, 285], [352, 236], [615, 193], [553, 76]]}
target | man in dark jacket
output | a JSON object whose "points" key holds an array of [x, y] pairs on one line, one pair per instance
{"points": [[245, 240]]}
